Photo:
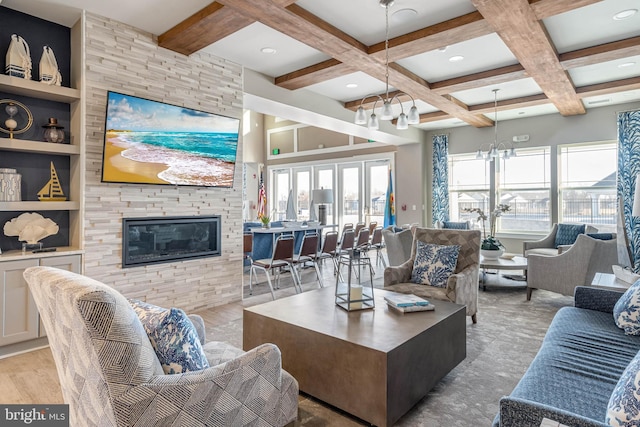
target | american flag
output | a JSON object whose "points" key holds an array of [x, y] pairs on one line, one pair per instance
{"points": [[262, 199]]}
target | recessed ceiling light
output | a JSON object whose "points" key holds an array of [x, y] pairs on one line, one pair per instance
{"points": [[456, 58], [625, 14], [627, 64], [352, 85], [599, 101], [268, 50], [404, 15]]}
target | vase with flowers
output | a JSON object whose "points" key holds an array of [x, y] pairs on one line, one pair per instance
{"points": [[491, 248]]}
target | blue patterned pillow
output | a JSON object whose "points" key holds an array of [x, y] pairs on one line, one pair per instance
{"points": [[173, 337], [623, 409], [434, 264], [568, 233], [626, 312], [601, 236], [456, 225]]}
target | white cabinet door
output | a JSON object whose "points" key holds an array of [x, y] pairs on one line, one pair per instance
{"points": [[19, 317]]}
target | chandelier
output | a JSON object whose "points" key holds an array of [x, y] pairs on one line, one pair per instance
{"points": [[404, 120], [495, 149]]}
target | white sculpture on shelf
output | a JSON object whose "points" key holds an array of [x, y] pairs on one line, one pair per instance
{"points": [[49, 72], [18, 62], [30, 227]]}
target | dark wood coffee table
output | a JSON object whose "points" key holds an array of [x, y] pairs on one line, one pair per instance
{"points": [[374, 364]]}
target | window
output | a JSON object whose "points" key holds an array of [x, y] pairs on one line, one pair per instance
{"points": [[587, 184], [280, 194], [469, 185], [524, 183]]}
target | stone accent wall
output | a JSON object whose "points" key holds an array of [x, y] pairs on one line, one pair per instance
{"points": [[124, 59]]}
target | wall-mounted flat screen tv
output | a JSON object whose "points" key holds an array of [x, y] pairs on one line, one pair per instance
{"points": [[149, 142]]}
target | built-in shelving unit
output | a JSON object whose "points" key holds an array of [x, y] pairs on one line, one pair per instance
{"points": [[27, 146], [37, 89]]}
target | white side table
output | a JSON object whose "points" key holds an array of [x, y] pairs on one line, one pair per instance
{"points": [[609, 281]]}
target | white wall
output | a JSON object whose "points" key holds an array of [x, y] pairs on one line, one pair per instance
{"points": [[409, 184]]}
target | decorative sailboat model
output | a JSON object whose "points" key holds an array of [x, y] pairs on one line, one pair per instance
{"points": [[52, 191]]}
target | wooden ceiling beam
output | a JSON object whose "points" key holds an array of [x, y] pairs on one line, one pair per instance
{"points": [[320, 35], [316, 73], [546, 8], [456, 30], [519, 28], [482, 79], [608, 88], [601, 53], [203, 28]]}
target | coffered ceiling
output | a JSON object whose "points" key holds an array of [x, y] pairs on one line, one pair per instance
{"points": [[545, 56]]}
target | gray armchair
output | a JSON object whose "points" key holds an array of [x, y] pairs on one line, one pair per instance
{"points": [[546, 245], [110, 375], [462, 285], [575, 267]]}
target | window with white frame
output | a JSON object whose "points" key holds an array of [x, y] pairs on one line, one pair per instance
{"points": [[280, 193], [469, 186], [587, 184], [524, 183]]}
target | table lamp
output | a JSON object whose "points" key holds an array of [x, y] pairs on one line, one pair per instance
{"points": [[322, 197]]}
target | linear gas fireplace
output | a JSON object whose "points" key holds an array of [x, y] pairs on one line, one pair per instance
{"points": [[166, 239]]}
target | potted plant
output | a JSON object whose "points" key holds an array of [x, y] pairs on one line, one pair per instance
{"points": [[491, 246], [265, 220]]}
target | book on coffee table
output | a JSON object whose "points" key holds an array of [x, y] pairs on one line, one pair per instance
{"points": [[405, 300], [414, 308]]}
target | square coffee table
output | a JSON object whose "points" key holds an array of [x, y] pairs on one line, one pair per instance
{"points": [[375, 364]]}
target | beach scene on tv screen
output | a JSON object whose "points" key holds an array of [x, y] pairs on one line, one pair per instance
{"points": [[156, 143]]}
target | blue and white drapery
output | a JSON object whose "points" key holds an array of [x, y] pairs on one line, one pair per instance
{"points": [[628, 169], [440, 187]]}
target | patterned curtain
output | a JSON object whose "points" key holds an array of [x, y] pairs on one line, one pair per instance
{"points": [[440, 194], [628, 169]]}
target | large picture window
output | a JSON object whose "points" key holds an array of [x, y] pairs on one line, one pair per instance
{"points": [[587, 184], [524, 183], [469, 185]]}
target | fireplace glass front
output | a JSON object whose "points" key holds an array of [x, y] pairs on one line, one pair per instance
{"points": [[167, 239]]}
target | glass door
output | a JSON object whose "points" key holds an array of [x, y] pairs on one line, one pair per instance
{"points": [[302, 193], [280, 193], [350, 194], [325, 179], [375, 190]]}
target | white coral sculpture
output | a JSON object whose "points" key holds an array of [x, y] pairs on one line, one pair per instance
{"points": [[30, 227]]}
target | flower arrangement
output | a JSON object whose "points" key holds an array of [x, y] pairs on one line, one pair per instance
{"points": [[265, 220], [489, 242]]}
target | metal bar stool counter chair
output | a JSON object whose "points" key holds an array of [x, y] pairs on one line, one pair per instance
{"points": [[308, 252], [282, 257]]}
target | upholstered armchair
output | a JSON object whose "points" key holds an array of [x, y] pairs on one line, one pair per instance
{"points": [[110, 374], [462, 285], [547, 245], [575, 267], [398, 244]]}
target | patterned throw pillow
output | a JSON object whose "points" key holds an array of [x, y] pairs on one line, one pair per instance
{"points": [[623, 409], [568, 233], [173, 337], [626, 312], [463, 225], [601, 236], [434, 264]]}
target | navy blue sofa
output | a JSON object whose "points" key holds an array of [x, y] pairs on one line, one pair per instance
{"points": [[576, 369]]}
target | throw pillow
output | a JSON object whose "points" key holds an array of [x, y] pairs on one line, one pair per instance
{"points": [[463, 225], [568, 233], [623, 409], [173, 337], [626, 312], [601, 236], [434, 264]]}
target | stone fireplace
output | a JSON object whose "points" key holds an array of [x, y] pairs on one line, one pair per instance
{"points": [[168, 239]]}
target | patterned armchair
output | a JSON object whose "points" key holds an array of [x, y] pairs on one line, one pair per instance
{"points": [[110, 375], [462, 285]]}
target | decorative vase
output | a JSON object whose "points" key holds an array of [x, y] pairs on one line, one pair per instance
{"points": [[491, 253], [10, 189]]}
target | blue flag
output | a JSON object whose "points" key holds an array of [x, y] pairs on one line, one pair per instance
{"points": [[390, 205]]}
